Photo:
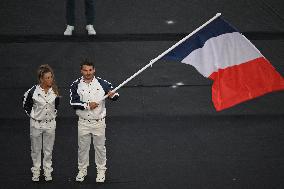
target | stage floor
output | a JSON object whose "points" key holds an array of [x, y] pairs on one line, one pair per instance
{"points": [[158, 152]]}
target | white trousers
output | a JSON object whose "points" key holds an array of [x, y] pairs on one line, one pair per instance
{"points": [[88, 129], [42, 139]]}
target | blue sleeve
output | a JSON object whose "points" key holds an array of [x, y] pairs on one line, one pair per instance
{"points": [[28, 100], [107, 86], [57, 102], [75, 101]]}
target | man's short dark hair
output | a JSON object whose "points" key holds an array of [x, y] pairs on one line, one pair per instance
{"points": [[86, 62]]}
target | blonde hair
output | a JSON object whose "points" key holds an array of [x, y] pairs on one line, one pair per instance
{"points": [[45, 68]]}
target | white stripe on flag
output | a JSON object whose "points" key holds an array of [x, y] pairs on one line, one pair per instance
{"points": [[221, 52]]}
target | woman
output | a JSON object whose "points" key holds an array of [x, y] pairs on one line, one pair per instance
{"points": [[40, 103]]}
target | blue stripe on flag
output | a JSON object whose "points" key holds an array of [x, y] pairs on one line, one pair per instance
{"points": [[213, 29]]}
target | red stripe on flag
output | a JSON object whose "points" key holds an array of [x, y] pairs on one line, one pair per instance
{"points": [[243, 82]]}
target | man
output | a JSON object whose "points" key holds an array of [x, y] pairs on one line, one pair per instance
{"points": [[86, 93], [70, 16]]}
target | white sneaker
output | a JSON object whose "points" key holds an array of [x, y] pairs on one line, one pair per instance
{"points": [[101, 175], [47, 176], [69, 30], [36, 174], [91, 30], [81, 175]]}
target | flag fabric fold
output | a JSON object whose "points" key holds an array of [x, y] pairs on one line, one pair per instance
{"points": [[238, 70]]}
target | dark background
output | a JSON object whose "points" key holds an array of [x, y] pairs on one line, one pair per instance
{"points": [[158, 135]]}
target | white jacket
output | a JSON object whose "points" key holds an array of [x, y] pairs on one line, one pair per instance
{"points": [[81, 93]]}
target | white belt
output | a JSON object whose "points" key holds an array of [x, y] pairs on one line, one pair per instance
{"points": [[89, 120], [46, 120]]}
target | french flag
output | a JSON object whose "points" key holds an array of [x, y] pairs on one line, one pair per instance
{"points": [[239, 71]]}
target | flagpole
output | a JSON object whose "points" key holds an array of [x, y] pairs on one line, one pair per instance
{"points": [[163, 54]]}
